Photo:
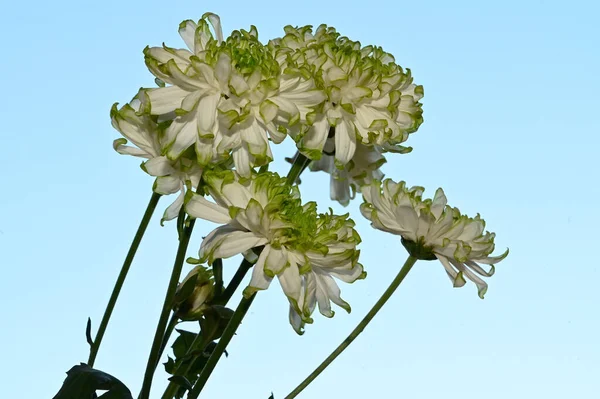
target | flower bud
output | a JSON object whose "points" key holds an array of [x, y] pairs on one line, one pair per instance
{"points": [[194, 294]]}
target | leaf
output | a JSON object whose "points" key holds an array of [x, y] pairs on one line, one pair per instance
{"points": [[82, 382], [182, 343], [88, 332], [216, 318], [271, 397], [170, 365]]}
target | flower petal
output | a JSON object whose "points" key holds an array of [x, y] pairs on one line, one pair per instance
{"points": [[200, 207]]}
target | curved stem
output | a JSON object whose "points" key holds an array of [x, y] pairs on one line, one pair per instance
{"points": [[232, 326], [121, 279], [359, 328], [167, 305]]}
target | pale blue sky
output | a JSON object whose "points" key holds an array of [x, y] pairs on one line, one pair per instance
{"points": [[511, 131]]}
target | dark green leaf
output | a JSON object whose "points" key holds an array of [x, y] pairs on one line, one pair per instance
{"points": [[88, 332], [271, 397], [82, 382], [170, 365], [183, 342]]}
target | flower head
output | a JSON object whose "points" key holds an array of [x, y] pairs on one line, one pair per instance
{"points": [[430, 229], [229, 96], [298, 246], [369, 98], [136, 125]]}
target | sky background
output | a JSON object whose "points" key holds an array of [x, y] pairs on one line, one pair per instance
{"points": [[511, 131]]}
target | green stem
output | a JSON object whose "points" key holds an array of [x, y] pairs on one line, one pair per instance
{"points": [[235, 282], [298, 166], [121, 279], [359, 328], [212, 361], [217, 267], [198, 343], [170, 327], [167, 306]]}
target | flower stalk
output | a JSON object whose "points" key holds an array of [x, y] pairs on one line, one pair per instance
{"points": [[230, 330], [167, 306], [359, 328], [137, 239]]}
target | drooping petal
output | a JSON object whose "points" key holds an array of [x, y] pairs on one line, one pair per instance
{"points": [[345, 142], [200, 207], [172, 210], [227, 241], [260, 280]]}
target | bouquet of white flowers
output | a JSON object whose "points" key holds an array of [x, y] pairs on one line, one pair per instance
{"points": [[207, 133]]}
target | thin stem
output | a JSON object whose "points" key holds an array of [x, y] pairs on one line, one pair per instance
{"points": [[218, 274], [235, 282], [121, 279], [359, 328], [170, 327], [167, 306], [212, 361], [298, 166]]}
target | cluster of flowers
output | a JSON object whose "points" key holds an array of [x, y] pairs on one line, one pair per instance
{"points": [[210, 123]]}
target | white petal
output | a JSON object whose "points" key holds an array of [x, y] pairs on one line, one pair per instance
{"points": [[200, 207], [316, 136], [439, 203], [207, 112], [227, 241], [182, 133], [241, 159], [172, 210], [260, 280], [345, 142], [167, 185], [291, 283], [215, 21], [159, 166], [166, 99], [276, 261], [330, 290], [187, 31], [296, 321], [128, 150]]}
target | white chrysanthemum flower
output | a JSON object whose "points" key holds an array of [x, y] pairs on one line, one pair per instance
{"points": [[137, 126], [430, 229], [340, 261], [230, 96], [370, 99], [362, 169], [304, 250]]}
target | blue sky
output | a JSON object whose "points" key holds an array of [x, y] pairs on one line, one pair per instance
{"points": [[511, 131]]}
